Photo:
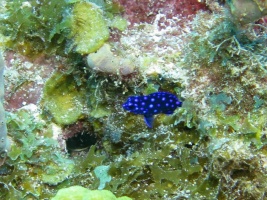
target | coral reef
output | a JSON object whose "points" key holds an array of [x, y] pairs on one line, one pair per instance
{"points": [[146, 11], [56, 27], [34, 157], [69, 133]]}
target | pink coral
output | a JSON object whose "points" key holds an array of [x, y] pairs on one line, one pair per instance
{"points": [[137, 11]]}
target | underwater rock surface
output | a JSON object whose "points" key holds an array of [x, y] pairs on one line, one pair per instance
{"points": [[72, 64], [246, 11], [105, 61]]}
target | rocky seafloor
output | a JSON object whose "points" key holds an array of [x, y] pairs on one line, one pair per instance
{"points": [[69, 65]]}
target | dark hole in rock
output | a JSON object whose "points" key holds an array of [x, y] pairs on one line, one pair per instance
{"points": [[189, 145], [6, 170], [80, 142]]}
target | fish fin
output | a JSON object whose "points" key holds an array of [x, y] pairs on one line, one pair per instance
{"points": [[149, 121]]}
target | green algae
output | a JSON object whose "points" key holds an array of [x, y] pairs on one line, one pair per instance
{"points": [[31, 159], [187, 115], [258, 102], [28, 26], [98, 100], [201, 152], [220, 101], [151, 87], [119, 23], [100, 111], [231, 124], [101, 173], [166, 175], [215, 45], [78, 192], [63, 99], [32, 28], [55, 173], [88, 27], [92, 159]]}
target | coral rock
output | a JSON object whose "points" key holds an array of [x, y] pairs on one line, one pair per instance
{"points": [[145, 11], [246, 11], [105, 61]]}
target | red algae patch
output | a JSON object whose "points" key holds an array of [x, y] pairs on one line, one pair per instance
{"points": [[25, 79], [137, 11]]}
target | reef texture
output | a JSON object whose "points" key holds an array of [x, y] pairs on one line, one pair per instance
{"points": [[66, 84], [88, 27], [137, 11], [112, 64], [246, 11]]}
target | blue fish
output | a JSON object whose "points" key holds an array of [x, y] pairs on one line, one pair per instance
{"points": [[152, 104]]}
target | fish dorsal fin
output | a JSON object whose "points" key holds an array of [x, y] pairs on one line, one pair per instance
{"points": [[149, 120]]}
